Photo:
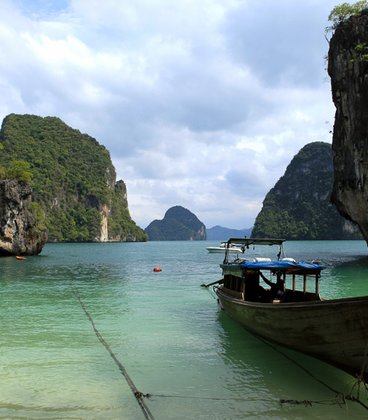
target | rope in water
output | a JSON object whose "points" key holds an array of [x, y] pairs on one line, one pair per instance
{"points": [[340, 397], [137, 394]]}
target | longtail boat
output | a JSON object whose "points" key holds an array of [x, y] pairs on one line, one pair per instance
{"points": [[272, 299]]}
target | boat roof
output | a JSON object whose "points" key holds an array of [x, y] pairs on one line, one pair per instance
{"points": [[255, 241], [283, 265]]}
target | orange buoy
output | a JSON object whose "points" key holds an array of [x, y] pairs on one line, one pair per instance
{"points": [[157, 269]]}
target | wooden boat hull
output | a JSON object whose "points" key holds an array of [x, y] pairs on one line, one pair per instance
{"points": [[335, 331]]}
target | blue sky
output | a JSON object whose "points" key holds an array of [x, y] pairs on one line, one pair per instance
{"points": [[200, 103], [40, 7]]}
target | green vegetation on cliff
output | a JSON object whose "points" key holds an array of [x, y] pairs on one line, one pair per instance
{"points": [[179, 224], [344, 11], [72, 178], [298, 206]]}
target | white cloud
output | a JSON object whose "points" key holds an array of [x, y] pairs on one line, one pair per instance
{"points": [[201, 104]]}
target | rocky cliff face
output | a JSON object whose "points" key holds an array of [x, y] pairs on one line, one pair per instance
{"points": [[298, 206], [179, 224], [19, 230], [73, 180], [348, 69], [119, 214]]}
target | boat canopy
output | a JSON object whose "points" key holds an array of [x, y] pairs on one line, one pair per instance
{"points": [[254, 241], [283, 265], [245, 243]]}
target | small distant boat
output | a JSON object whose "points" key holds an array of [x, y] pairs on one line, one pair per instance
{"points": [[223, 247], [334, 331], [20, 257]]}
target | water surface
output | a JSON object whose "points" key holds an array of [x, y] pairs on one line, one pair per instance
{"points": [[167, 332]]}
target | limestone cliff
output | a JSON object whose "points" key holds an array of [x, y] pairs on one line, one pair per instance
{"points": [[298, 206], [73, 180], [348, 69], [21, 232]]}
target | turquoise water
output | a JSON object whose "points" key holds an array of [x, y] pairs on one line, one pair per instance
{"points": [[167, 332]]}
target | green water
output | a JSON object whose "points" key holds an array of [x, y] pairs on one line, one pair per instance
{"points": [[166, 331]]}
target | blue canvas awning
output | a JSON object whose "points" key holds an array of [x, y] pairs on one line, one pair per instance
{"points": [[282, 266]]}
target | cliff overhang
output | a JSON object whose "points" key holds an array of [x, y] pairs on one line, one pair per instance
{"points": [[348, 69]]}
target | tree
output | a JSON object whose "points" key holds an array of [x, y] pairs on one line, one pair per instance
{"points": [[344, 11], [19, 169]]}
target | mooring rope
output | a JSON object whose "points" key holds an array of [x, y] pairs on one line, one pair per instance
{"points": [[139, 396], [340, 397]]}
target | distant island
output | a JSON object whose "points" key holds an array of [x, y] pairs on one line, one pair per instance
{"points": [[178, 224], [222, 233]]}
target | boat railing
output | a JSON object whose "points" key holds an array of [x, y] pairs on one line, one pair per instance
{"points": [[246, 243], [294, 277]]}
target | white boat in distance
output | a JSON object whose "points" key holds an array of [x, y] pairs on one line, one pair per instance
{"points": [[222, 248]]}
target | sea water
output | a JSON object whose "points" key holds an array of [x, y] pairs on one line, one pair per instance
{"points": [[78, 316]]}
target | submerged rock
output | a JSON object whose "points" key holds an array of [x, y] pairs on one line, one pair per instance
{"points": [[20, 231]]}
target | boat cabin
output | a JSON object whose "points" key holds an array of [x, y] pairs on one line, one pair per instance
{"points": [[261, 279]]}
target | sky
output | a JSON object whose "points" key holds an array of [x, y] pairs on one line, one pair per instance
{"points": [[201, 103]]}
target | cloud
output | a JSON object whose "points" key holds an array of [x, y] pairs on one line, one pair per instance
{"points": [[201, 104], [281, 41]]}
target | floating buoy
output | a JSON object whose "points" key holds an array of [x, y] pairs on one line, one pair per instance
{"points": [[19, 257], [157, 269]]}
